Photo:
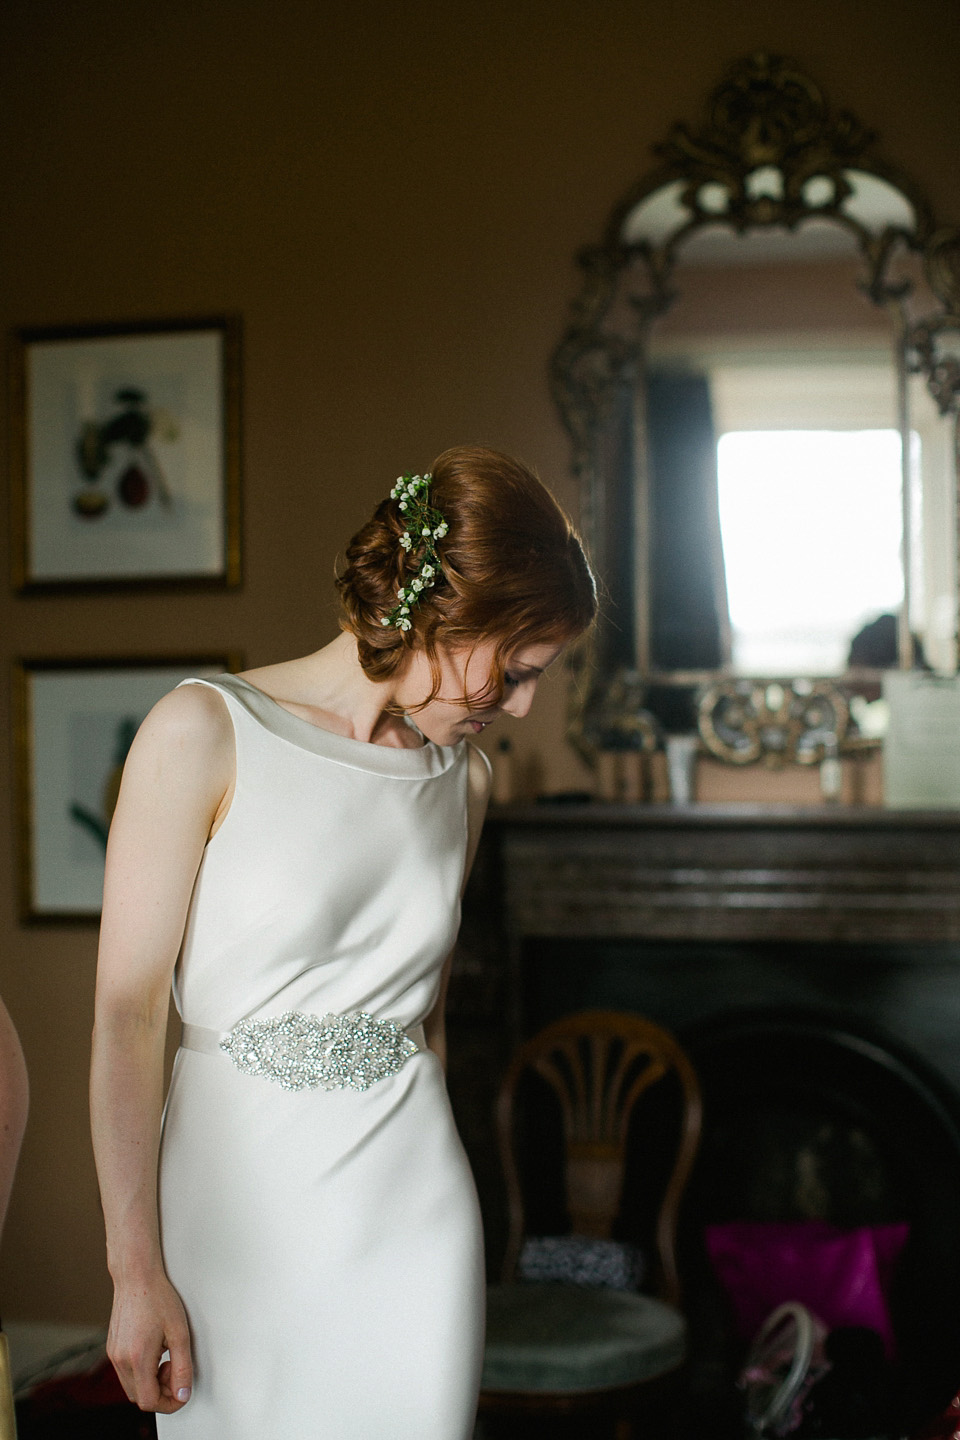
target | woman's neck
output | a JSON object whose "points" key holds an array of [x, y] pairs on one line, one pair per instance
{"points": [[330, 689]]}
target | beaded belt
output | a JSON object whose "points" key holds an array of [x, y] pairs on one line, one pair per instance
{"points": [[301, 1051]]}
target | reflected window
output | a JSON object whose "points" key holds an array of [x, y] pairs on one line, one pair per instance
{"points": [[811, 528]]}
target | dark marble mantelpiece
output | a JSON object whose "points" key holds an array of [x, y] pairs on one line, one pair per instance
{"points": [[729, 872]]}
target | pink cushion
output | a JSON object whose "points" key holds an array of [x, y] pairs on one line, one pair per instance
{"points": [[843, 1276]]}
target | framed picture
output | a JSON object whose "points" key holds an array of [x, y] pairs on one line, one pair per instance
{"points": [[75, 722], [126, 455]]}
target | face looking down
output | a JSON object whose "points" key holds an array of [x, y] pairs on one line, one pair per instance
{"points": [[466, 671]]}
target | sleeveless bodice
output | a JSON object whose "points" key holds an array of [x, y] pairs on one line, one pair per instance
{"points": [[333, 883]]}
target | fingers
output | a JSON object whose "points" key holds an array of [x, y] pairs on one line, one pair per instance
{"points": [[162, 1386], [176, 1374], [137, 1374]]}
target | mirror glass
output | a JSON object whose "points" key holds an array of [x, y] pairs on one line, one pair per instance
{"points": [[779, 525]]}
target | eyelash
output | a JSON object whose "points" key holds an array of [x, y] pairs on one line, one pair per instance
{"points": [[510, 679]]}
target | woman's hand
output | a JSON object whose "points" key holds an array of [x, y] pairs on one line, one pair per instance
{"points": [[148, 1319]]}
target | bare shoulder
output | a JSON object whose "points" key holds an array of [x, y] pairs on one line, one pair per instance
{"points": [[479, 774], [190, 732], [194, 714]]}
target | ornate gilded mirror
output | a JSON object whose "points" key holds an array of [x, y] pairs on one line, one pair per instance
{"points": [[761, 382]]}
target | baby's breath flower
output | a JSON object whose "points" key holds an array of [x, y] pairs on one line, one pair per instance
{"points": [[425, 526]]}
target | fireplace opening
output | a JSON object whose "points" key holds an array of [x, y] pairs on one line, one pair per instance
{"points": [[816, 1109], [811, 1117]]}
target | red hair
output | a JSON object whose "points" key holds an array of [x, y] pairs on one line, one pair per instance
{"points": [[513, 570]]}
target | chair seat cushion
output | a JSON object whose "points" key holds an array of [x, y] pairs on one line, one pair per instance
{"points": [[551, 1338]]}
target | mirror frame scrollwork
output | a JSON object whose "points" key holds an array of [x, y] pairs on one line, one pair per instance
{"points": [[765, 115]]}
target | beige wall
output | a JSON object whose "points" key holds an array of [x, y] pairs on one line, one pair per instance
{"points": [[391, 195]]}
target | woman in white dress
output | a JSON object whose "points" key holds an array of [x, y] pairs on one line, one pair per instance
{"points": [[295, 1245]]}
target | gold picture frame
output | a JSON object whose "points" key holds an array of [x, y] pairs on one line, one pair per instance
{"points": [[126, 455]]}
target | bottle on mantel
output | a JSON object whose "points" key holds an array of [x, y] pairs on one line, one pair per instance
{"points": [[831, 773], [622, 774]]}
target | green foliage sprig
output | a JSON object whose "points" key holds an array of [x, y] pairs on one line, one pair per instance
{"points": [[425, 526]]}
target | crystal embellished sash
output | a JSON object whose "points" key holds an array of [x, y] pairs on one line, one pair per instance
{"points": [[304, 1052]]}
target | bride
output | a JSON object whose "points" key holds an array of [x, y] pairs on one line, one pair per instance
{"points": [[296, 1246]]}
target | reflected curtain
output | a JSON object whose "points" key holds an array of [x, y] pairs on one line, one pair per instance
{"points": [[614, 521], [689, 614]]}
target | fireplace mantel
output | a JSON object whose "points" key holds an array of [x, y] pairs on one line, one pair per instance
{"points": [[728, 872]]}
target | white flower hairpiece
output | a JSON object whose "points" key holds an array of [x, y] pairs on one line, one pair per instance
{"points": [[425, 526]]}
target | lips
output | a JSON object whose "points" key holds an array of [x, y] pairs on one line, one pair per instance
{"points": [[479, 723]]}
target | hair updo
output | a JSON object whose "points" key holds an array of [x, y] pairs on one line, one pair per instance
{"points": [[513, 570]]}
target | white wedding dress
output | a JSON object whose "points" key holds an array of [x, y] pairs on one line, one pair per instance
{"points": [[326, 1243]]}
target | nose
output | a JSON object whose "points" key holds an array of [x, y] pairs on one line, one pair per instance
{"points": [[517, 702]]}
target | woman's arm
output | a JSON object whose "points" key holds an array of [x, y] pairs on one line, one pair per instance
{"points": [[177, 783], [478, 797]]}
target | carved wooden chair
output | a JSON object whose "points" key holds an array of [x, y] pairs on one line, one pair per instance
{"points": [[563, 1349]]}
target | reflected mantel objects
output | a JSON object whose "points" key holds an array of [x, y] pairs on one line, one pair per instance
{"points": [[761, 383]]}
